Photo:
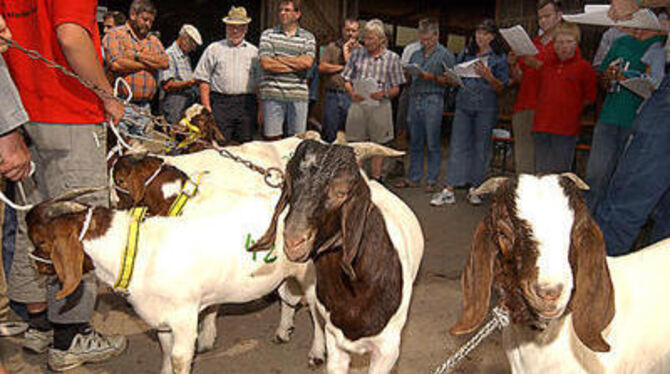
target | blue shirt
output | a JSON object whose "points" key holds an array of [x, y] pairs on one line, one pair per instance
{"points": [[433, 64], [477, 93]]}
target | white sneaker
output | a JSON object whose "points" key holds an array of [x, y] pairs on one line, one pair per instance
{"points": [[473, 198], [443, 197], [92, 347]]}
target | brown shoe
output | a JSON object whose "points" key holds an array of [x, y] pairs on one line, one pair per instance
{"points": [[405, 183]]}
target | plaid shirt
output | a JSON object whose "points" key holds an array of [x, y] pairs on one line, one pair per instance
{"points": [[385, 68], [179, 67], [122, 42]]}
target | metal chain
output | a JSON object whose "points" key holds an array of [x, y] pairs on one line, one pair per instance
{"points": [[269, 174], [499, 320]]}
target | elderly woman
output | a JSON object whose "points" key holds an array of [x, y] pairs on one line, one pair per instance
{"points": [[372, 119], [476, 115]]}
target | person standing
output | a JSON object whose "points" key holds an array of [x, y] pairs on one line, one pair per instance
{"points": [[525, 71], [372, 121], [112, 19], [68, 147], [426, 105], [286, 52], [332, 63], [227, 74], [134, 55], [177, 80]]}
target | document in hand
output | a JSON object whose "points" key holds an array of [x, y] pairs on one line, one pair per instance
{"points": [[449, 73], [519, 41], [640, 86], [365, 87], [413, 69], [597, 15], [467, 69]]}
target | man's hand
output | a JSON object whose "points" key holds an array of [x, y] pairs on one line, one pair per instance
{"points": [[14, 156], [621, 10], [349, 47], [378, 95], [5, 33], [512, 58], [426, 76], [113, 110], [356, 98], [532, 61]]}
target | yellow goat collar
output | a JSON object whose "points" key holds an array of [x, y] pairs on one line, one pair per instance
{"points": [[130, 253]]}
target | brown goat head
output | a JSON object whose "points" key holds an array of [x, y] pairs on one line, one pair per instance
{"points": [[328, 201], [544, 255]]}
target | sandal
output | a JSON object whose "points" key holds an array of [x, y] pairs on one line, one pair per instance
{"points": [[405, 183]]}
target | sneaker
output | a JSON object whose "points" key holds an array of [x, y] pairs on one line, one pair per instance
{"points": [[444, 197], [93, 347], [37, 341], [473, 198], [8, 328]]}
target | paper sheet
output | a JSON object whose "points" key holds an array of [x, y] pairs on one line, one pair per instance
{"points": [[467, 69], [519, 41], [413, 69], [364, 87], [642, 87], [597, 15], [452, 75]]}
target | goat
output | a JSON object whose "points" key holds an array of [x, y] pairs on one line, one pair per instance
{"points": [[366, 245], [198, 124], [573, 310]]}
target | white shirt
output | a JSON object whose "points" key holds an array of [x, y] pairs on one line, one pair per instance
{"points": [[230, 70]]}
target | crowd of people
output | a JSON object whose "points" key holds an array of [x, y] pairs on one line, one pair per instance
{"points": [[245, 86]]}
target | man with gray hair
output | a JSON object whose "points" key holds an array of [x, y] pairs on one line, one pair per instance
{"points": [[177, 80], [426, 104], [372, 118]]}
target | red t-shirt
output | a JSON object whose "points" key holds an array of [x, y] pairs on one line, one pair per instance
{"points": [[564, 87], [47, 94], [527, 96]]}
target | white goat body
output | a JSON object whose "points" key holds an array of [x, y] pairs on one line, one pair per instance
{"points": [[638, 334]]}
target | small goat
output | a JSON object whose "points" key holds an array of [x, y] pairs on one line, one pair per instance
{"points": [[573, 310], [366, 245]]}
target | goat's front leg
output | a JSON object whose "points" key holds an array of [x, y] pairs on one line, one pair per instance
{"points": [[184, 326], [384, 356], [207, 330], [165, 338], [289, 299], [317, 355], [338, 358]]}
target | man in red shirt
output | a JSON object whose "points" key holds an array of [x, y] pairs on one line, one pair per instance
{"points": [[566, 85], [524, 70], [67, 140]]}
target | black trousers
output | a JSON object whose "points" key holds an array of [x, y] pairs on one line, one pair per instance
{"points": [[235, 115]]}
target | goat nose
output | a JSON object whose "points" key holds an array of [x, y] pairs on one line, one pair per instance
{"points": [[293, 242], [548, 293]]}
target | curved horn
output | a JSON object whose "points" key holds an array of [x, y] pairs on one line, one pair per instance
{"points": [[577, 180], [341, 138], [311, 134], [490, 185], [77, 192], [63, 207], [365, 150]]}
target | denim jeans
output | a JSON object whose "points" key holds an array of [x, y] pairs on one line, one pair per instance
{"points": [[135, 121], [335, 114], [608, 143], [470, 146], [275, 112], [424, 118], [640, 183], [554, 153]]}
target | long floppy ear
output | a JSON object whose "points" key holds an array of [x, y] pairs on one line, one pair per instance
{"points": [[354, 215], [266, 241], [592, 302], [477, 279], [219, 138], [67, 256]]}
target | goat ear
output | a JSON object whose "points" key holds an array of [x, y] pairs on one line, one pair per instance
{"points": [[354, 215], [593, 299], [218, 135], [68, 260], [476, 279], [266, 241]]}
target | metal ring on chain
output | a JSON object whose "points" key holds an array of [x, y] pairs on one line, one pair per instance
{"points": [[277, 173]]}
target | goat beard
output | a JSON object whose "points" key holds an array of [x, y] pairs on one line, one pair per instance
{"points": [[510, 296]]}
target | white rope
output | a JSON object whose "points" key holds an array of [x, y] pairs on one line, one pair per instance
{"points": [[128, 89], [19, 185], [87, 223], [499, 320], [154, 175], [39, 259]]}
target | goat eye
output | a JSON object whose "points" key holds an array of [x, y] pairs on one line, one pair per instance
{"points": [[341, 194]]}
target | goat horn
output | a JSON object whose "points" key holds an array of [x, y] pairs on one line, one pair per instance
{"points": [[364, 150], [307, 135], [490, 185], [341, 138], [74, 193], [578, 181], [64, 207]]}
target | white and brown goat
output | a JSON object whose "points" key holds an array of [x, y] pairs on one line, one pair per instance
{"points": [[366, 245], [573, 310]]}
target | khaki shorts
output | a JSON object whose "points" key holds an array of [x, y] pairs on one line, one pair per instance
{"points": [[370, 123]]}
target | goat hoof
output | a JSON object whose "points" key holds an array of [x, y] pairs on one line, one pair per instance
{"points": [[315, 362], [280, 338]]}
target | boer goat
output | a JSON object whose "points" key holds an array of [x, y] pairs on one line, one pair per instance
{"points": [[196, 131], [366, 245], [573, 310]]}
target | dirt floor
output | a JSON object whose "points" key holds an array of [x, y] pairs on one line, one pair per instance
{"points": [[245, 331]]}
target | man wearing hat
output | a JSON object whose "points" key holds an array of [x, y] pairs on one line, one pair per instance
{"points": [[227, 74], [177, 80]]}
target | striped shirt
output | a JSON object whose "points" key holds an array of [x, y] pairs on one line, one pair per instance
{"points": [[285, 86], [122, 42], [179, 67], [385, 68], [230, 70]]}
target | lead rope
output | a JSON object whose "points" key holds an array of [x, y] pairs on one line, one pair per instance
{"points": [[499, 320]]}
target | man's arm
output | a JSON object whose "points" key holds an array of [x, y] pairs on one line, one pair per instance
{"points": [[297, 63], [328, 68], [205, 89], [274, 65], [14, 155], [80, 53], [174, 85], [154, 60]]}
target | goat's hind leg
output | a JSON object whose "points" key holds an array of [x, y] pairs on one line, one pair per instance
{"points": [[184, 326], [289, 300], [207, 329]]}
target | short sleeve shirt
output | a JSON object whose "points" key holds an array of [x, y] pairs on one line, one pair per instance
{"points": [[334, 55], [384, 68], [179, 66], [477, 93], [229, 69], [435, 63]]}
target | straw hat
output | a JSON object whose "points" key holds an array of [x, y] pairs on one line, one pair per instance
{"points": [[237, 16], [192, 32]]}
